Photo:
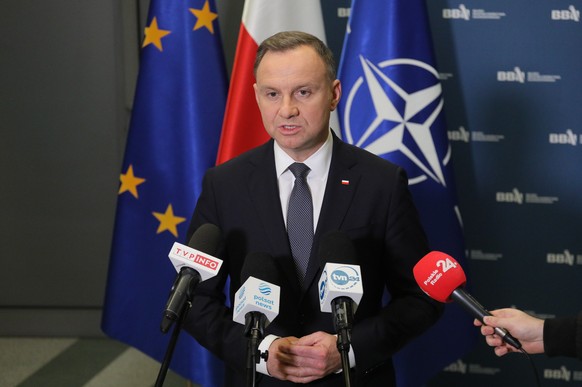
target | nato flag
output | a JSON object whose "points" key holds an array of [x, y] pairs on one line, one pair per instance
{"points": [[392, 105]]}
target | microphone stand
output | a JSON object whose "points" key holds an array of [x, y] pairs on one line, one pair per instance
{"points": [[172, 344], [185, 282], [343, 320], [254, 331]]}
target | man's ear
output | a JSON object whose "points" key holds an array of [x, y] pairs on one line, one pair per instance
{"points": [[336, 94], [256, 89]]}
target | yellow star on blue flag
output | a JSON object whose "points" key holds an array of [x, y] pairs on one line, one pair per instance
{"points": [[129, 182], [154, 35], [168, 221], [205, 17], [172, 139]]}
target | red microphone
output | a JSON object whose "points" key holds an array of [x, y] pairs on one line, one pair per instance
{"points": [[442, 278]]}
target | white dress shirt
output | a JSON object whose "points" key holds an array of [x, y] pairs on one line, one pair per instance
{"points": [[319, 163]]}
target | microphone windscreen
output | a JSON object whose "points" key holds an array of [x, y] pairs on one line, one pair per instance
{"points": [[438, 275], [206, 239], [261, 266], [337, 247]]}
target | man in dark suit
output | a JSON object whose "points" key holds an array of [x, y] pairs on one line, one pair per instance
{"points": [[352, 190]]}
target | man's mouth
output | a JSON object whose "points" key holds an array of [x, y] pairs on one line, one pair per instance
{"points": [[289, 128]]}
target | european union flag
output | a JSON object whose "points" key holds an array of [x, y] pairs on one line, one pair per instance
{"points": [[392, 105], [173, 138]]}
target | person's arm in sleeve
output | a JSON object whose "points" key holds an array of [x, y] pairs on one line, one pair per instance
{"points": [[209, 320], [410, 312]]}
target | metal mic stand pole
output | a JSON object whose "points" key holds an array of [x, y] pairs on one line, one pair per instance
{"points": [[171, 345], [343, 319], [343, 346], [254, 331]]}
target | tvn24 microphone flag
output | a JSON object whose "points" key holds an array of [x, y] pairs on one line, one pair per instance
{"points": [[172, 140], [392, 105]]}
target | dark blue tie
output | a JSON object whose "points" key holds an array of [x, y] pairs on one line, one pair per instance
{"points": [[300, 219]]}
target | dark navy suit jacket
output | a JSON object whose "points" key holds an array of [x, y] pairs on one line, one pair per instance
{"points": [[375, 209]]}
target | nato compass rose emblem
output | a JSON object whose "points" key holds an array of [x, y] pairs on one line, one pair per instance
{"points": [[392, 109]]}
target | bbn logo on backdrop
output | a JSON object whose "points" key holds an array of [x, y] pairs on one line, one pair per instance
{"points": [[570, 14], [391, 109]]}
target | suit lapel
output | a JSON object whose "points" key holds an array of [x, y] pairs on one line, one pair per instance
{"points": [[342, 182]]}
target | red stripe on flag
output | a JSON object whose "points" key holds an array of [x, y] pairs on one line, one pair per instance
{"points": [[243, 127]]}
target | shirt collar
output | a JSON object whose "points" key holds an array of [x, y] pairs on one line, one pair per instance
{"points": [[318, 162]]}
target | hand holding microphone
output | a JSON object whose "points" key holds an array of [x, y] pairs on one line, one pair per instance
{"points": [[529, 330], [442, 278]]}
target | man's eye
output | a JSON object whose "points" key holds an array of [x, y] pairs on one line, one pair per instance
{"points": [[304, 92]]}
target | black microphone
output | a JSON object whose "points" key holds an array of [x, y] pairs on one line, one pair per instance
{"points": [[256, 304], [260, 265], [194, 263], [340, 289]]}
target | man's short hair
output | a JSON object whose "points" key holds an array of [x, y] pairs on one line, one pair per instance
{"points": [[289, 40]]}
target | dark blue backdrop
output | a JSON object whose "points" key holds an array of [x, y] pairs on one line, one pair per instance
{"points": [[512, 80]]}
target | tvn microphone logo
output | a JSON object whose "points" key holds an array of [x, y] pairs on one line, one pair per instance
{"points": [[339, 280], [323, 286], [345, 277]]}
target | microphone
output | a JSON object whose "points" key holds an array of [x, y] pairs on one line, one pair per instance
{"points": [[259, 294], [194, 263], [256, 304], [340, 289], [340, 284], [442, 278]]}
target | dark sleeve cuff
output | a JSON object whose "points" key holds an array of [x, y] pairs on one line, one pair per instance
{"points": [[560, 337]]}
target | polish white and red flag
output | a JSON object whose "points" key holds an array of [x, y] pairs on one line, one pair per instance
{"points": [[242, 128]]}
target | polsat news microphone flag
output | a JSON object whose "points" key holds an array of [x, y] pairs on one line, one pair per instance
{"points": [[172, 140], [392, 105]]}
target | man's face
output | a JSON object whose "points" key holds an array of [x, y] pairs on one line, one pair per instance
{"points": [[295, 98]]}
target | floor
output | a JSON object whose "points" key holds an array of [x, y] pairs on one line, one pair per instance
{"points": [[72, 362]]}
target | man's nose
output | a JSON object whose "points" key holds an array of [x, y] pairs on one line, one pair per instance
{"points": [[288, 108]]}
